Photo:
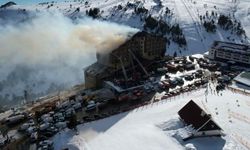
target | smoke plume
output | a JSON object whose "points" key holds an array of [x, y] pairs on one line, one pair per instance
{"points": [[49, 51]]}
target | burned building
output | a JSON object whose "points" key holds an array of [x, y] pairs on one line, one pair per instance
{"points": [[141, 47], [142, 44], [94, 74], [226, 51]]}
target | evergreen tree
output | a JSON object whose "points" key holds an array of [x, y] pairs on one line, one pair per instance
{"points": [[175, 54], [150, 22]]}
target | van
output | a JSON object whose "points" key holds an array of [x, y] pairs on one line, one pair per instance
{"points": [[91, 106], [44, 126]]}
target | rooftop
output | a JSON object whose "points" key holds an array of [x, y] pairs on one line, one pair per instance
{"points": [[98, 69], [231, 46], [243, 78], [193, 114]]}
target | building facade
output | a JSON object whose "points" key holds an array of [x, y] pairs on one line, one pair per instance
{"points": [[226, 51], [142, 45]]}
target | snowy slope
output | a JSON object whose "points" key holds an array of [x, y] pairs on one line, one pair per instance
{"points": [[185, 12], [191, 10], [243, 13], [153, 126]]}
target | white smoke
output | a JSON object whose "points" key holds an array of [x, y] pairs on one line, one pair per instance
{"points": [[48, 52]]}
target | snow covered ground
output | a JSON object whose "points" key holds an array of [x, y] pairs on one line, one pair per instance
{"points": [[243, 13], [154, 126], [185, 12], [188, 12]]}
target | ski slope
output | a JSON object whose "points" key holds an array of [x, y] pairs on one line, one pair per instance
{"points": [[185, 12], [191, 28], [153, 126]]}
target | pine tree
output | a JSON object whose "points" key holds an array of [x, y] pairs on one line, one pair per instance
{"points": [[175, 54]]}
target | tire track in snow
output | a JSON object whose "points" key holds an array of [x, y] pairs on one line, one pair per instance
{"points": [[193, 20], [191, 8], [244, 141]]}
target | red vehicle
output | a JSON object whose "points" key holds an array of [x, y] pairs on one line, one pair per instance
{"points": [[124, 97]]}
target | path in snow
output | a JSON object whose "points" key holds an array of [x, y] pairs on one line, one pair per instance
{"points": [[188, 24]]}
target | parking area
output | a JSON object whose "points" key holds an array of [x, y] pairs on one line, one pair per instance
{"points": [[167, 79]]}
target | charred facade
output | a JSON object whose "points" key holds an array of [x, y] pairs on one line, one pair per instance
{"points": [[142, 46]]}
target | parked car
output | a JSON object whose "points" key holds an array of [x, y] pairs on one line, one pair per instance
{"points": [[189, 77], [24, 127], [61, 125], [44, 126], [161, 85], [91, 106], [31, 130], [164, 85], [173, 82], [179, 80], [189, 66], [197, 83], [3, 141], [46, 144], [224, 79], [69, 112], [48, 119], [162, 70], [77, 106], [52, 129], [59, 117]]}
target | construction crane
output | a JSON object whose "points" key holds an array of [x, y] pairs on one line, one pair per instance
{"points": [[137, 60], [123, 68]]}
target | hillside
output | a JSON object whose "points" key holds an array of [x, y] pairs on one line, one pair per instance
{"points": [[162, 16], [190, 26]]}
